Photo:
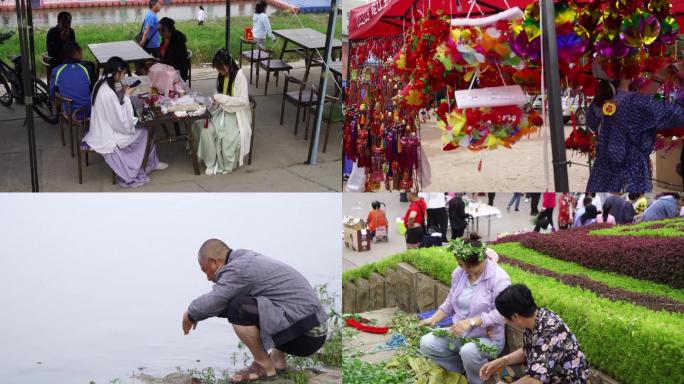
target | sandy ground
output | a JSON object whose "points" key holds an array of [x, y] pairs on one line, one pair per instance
{"points": [[518, 168], [358, 205]]}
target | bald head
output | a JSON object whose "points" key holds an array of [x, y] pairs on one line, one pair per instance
{"points": [[213, 249]]}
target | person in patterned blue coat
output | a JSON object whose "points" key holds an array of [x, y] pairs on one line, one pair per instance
{"points": [[629, 121]]}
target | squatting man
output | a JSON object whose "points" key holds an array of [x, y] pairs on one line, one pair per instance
{"points": [[269, 304]]}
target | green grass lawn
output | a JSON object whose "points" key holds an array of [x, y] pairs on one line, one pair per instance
{"points": [[202, 41]]}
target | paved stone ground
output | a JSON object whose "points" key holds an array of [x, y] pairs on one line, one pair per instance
{"points": [[358, 205], [366, 344], [518, 168], [277, 164]]}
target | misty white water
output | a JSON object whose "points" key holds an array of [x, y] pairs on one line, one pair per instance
{"points": [[93, 286]]}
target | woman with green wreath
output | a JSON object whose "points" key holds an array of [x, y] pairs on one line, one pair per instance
{"points": [[470, 303]]}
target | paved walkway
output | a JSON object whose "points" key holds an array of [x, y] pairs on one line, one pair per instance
{"points": [[358, 205], [277, 163]]}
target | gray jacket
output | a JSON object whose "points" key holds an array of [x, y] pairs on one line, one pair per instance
{"points": [[285, 299]]}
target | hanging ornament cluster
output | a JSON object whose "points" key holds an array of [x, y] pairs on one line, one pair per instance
{"points": [[627, 34], [572, 37], [475, 49], [485, 128], [419, 72], [378, 135]]}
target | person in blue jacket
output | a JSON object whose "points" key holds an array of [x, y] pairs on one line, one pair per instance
{"points": [[151, 40], [73, 78]]}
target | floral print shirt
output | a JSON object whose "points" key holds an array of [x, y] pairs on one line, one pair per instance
{"points": [[552, 353]]}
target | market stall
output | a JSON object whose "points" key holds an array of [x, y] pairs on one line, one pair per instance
{"points": [[477, 68]]}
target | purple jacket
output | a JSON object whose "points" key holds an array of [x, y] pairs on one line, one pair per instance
{"points": [[494, 280]]}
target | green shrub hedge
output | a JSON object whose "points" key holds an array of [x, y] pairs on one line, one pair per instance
{"points": [[633, 344]]}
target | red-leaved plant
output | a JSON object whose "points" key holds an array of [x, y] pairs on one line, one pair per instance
{"points": [[650, 258]]}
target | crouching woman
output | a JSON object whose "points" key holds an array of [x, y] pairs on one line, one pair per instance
{"points": [[550, 351], [470, 303]]}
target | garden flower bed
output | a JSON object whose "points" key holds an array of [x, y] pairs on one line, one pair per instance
{"points": [[628, 341], [617, 249], [661, 228]]}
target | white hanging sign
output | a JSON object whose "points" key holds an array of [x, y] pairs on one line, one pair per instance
{"points": [[510, 14], [490, 97]]}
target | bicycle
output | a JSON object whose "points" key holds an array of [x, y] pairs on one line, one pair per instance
{"points": [[12, 87]]}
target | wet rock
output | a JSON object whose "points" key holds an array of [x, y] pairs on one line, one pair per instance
{"points": [[330, 377]]}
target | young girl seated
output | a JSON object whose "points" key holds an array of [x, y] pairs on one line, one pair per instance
{"points": [[224, 141], [113, 132], [376, 219]]}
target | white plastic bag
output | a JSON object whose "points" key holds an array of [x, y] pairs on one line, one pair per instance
{"points": [[357, 179]]}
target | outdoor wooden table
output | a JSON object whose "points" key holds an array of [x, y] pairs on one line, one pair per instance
{"points": [[309, 40], [152, 125], [129, 51]]}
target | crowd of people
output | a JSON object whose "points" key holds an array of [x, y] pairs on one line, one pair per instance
{"points": [[443, 215], [115, 131], [582, 209]]}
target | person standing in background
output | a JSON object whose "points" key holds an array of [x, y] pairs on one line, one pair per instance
{"points": [[151, 40], [628, 210], [534, 203], [57, 37], [515, 199], [436, 212], [457, 216], [414, 220], [261, 26], [490, 198], [173, 50], [200, 16], [565, 207], [595, 200], [617, 206], [549, 204]]}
